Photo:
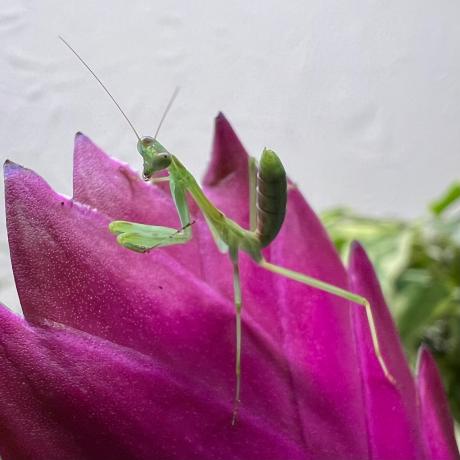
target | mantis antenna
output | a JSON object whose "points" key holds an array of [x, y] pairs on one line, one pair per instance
{"points": [[105, 88], [170, 103]]}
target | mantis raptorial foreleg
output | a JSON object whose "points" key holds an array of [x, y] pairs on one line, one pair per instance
{"points": [[339, 292], [142, 238]]}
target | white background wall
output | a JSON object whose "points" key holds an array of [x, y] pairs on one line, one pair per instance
{"points": [[361, 99]]}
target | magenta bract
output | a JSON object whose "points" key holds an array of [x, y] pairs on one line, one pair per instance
{"points": [[131, 356]]}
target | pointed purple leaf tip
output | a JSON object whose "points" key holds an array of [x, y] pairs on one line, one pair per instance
{"points": [[437, 421], [9, 165], [396, 405], [228, 154]]}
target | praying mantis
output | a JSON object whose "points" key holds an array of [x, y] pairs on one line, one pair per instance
{"points": [[267, 204]]}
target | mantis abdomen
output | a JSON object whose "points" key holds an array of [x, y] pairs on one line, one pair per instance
{"points": [[271, 197]]}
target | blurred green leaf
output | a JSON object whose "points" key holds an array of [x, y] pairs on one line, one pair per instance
{"points": [[451, 195]]}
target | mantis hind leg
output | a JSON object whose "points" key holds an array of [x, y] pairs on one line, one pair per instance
{"points": [[238, 306], [335, 290]]}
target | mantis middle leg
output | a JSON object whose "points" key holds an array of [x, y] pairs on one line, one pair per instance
{"points": [[238, 306]]}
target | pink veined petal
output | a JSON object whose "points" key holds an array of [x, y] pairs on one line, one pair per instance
{"points": [[310, 326], [69, 395], [318, 334], [392, 421], [116, 190], [434, 410], [69, 269]]}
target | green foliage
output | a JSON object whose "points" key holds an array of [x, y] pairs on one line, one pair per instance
{"points": [[418, 264]]}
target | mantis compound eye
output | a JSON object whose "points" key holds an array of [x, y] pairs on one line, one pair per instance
{"points": [[161, 161]]}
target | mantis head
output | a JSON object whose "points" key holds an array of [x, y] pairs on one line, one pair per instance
{"points": [[155, 156]]}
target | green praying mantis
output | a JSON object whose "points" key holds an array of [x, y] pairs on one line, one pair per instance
{"points": [[267, 203]]}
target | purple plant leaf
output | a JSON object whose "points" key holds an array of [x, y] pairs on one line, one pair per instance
{"points": [[318, 334], [309, 325], [391, 408], [70, 395], [435, 416], [62, 252]]}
